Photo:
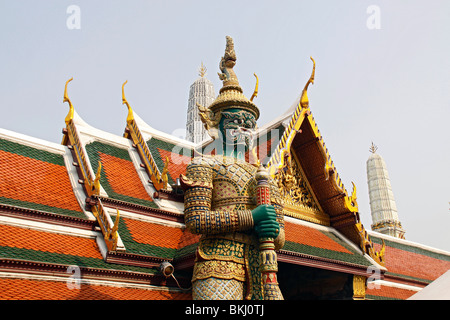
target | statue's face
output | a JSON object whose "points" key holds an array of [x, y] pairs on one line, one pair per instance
{"points": [[237, 128]]}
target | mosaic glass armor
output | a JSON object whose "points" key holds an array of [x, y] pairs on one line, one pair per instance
{"points": [[219, 197], [220, 202]]}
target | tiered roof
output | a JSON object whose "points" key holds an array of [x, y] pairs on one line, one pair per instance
{"points": [[111, 206], [410, 267], [36, 179]]}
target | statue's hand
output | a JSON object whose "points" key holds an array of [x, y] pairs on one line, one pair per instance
{"points": [[265, 221]]}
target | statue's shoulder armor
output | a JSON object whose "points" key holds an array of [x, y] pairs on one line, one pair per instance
{"points": [[198, 173]]}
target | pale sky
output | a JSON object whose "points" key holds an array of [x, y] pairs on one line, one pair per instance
{"points": [[388, 84]]}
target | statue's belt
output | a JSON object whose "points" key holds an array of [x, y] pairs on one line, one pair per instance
{"points": [[241, 237]]}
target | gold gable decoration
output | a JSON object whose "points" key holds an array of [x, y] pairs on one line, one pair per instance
{"points": [[299, 200]]}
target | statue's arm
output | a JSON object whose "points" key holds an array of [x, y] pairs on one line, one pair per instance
{"points": [[198, 216]]}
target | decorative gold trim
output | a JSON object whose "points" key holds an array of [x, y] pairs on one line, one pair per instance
{"points": [[130, 116], [91, 184], [306, 214], [277, 159], [157, 179], [302, 172], [367, 246], [350, 201], [294, 187], [255, 92], [96, 183], [304, 101], [359, 287]]}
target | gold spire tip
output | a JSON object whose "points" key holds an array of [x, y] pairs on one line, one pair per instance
{"points": [[373, 148], [202, 70]]}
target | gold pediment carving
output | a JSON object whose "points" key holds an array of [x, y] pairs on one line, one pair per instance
{"points": [[299, 200]]}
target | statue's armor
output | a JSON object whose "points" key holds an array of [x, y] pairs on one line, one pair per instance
{"points": [[219, 197]]}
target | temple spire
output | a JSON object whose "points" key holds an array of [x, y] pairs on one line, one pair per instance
{"points": [[201, 92], [382, 204]]}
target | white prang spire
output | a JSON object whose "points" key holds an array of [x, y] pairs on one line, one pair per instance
{"points": [[382, 204], [201, 92]]}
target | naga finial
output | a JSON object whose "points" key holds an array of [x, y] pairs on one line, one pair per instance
{"points": [[230, 54], [66, 99], [304, 101], [227, 63], [124, 101]]}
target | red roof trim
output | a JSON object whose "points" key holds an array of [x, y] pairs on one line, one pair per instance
{"points": [[41, 216]]}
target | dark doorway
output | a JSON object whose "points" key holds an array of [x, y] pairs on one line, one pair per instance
{"points": [[306, 283]]}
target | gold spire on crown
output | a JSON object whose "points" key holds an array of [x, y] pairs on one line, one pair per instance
{"points": [[230, 95]]}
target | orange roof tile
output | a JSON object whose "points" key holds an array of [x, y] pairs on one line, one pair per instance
{"points": [[32, 180], [159, 235], [413, 264], [311, 237], [24, 289], [177, 163], [122, 177], [389, 292], [48, 242]]}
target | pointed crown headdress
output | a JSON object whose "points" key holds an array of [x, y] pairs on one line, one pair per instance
{"points": [[230, 95]]}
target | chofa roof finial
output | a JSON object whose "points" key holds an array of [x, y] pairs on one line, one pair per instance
{"points": [[66, 99], [304, 101]]}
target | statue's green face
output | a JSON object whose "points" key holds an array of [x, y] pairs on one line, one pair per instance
{"points": [[236, 127]]}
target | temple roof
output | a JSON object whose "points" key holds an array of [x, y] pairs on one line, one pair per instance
{"points": [[112, 206], [34, 176], [53, 225]]}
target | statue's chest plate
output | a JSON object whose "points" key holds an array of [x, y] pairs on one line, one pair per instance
{"points": [[234, 182]]}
